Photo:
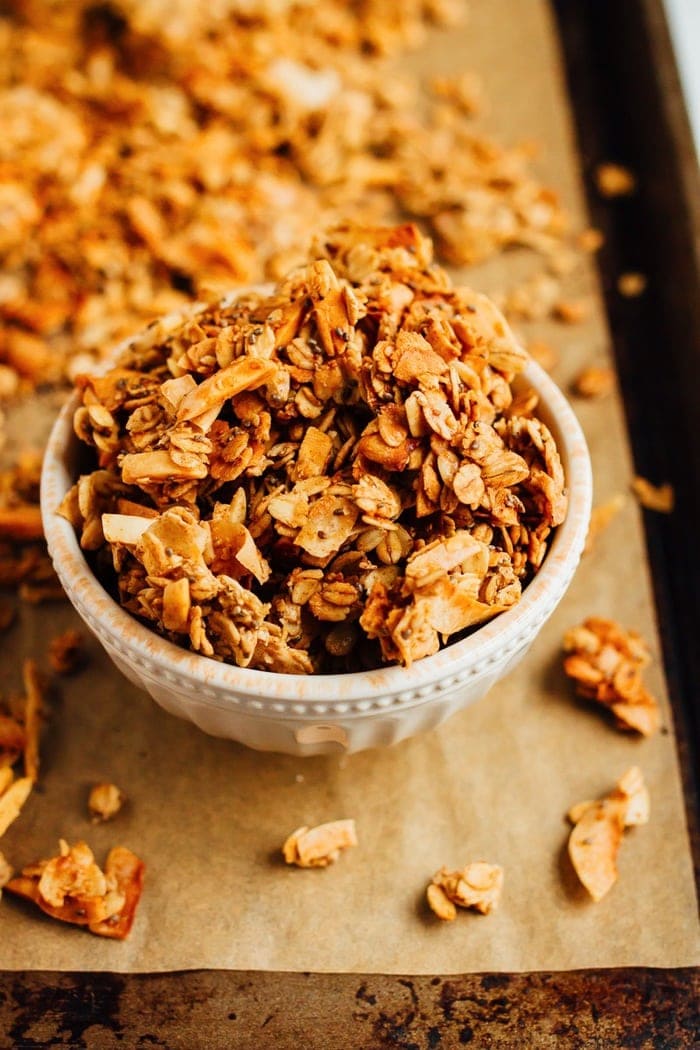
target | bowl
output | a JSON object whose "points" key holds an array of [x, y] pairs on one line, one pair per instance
{"points": [[307, 714]]}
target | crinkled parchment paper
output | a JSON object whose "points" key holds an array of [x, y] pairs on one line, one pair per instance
{"points": [[209, 816]]}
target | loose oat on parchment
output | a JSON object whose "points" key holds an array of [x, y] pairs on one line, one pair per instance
{"points": [[105, 801], [606, 662], [338, 474], [598, 827]]}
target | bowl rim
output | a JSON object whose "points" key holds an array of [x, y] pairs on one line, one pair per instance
{"points": [[499, 636]]}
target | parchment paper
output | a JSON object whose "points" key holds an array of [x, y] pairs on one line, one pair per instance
{"points": [[209, 816]]}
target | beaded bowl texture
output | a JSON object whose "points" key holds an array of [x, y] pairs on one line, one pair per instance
{"points": [[316, 714]]}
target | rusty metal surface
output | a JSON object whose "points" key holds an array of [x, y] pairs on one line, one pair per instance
{"points": [[584, 1010]]}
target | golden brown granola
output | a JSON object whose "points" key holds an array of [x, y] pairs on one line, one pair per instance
{"points": [[320, 846], [478, 885], [66, 652], [614, 180], [598, 827], [606, 663], [5, 873], [601, 517], [24, 562], [595, 381], [660, 498], [346, 450], [139, 172], [631, 285], [104, 801], [13, 795], [73, 888]]}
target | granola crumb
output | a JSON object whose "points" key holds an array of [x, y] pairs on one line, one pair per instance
{"points": [[631, 285], [571, 311], [614, 180], [544, 353], [595, 381], [591, 240], [104, 802], [660, 498], [478, 885], [66, 654]]}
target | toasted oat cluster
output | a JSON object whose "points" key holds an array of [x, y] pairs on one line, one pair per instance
{"points": [[320, 846], [73, 888], [598, 827], [152, 151], [337, 474], [24, 562], [478, 885], [606, 663]]}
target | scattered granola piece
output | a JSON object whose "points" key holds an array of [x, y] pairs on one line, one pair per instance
{"points": [[591, 240], [105, 801], [660, 498], [606, 663], [596, 381], [5, 873], [601, 517], [21, 523], [571, 311], [73, 888], [597, 833], [34, 702], [320, 846], [66, 652], [614, 180], [12, 800], [7, 615], [478, 886], [544, 354], [631, 285]]}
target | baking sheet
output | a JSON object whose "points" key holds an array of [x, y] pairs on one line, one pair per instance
{"points": [[209, 816]]}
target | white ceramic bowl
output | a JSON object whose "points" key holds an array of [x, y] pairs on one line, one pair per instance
{"points": [[304, 714]]}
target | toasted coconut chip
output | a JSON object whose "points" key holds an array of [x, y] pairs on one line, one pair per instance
{"points": [[598, 827], [593, 846], [320, 846], [124, 528]]}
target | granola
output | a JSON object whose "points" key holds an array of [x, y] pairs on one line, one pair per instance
{"points": [[339, 473], [660, 498], [478, 885], [320, 846], [73, 888], [154, 152], [598, 827], [104, 802], [606, 663]]}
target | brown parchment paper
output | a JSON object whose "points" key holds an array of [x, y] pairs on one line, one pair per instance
{"points": [[208, 816]]}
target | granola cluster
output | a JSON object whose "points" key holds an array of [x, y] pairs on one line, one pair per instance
{"points": [[73, 888], [335, 475], [153, 152], [606, 662]]}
